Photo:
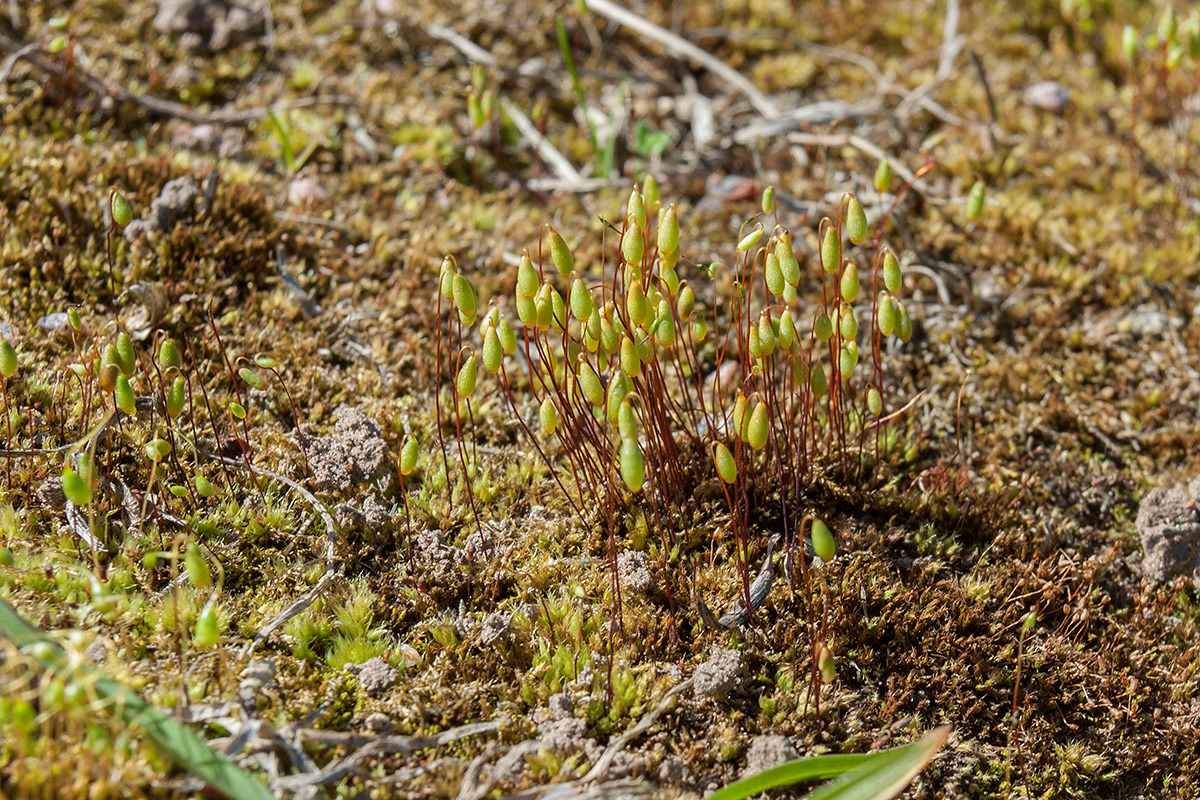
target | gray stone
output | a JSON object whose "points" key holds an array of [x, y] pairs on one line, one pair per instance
{"points": [[768, 751], [1168, 522], [719, 674], [355, 453], [496, 628], [635, 575], [375, 676]]}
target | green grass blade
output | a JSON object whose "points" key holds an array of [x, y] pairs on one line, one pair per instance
{"points": [[183, 746], [285, 141], [887, 774], [806, 769], [564, 45], [868, 776]]}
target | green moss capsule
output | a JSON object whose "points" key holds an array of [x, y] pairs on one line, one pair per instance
{"points": [[774, 275], [637, 305], [527, 311], [856, 221], [885, 315], [633, 465], [560, 254], [766, 333], [848, 358], [725, 462], [464, 384], [787, 260], [409, 455], [891, 272], [123, 395], [823, 327], [750, 239], [75, 488], [548, 415], [590, 383], [758, 427], [699, 330], [126, 357], [507, 336], [831, 250], [252, 378], [686, 303], [157, 449], [826, 665], [464, 297], [619, 387], [208, 628], [650, 191], [668, 232], [975, 201], [627, 420], [739, 417], [847, 323], [768, 200], [204, 486], [581, 299], [636, 208], [904, 326], [492, 352], [822, 539], [883, 176], [874, 401], [632, 246], [528, 281], [850, 282], [196, 567], [74, 319], [817, 381], [122, 212], [8, 359], [168, 355]]}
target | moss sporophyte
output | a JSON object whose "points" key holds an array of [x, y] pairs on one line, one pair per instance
{"points": [[633, 376]]}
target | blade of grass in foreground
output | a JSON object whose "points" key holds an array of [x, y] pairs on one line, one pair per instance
{"points": [[873, 776], [183, 746]]}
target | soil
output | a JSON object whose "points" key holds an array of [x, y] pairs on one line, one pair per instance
{"points": [[1050, 384]]}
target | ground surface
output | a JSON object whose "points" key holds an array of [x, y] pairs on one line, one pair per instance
{"points": [[1056, 345]]}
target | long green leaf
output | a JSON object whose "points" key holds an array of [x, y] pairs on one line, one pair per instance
{"points": [[805, 769], [564, 46], [183, 746], [871, 776], [285, 141]]}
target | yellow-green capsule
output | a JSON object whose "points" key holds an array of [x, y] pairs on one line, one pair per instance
{"points": [[787, 330], [787, 259], [774, 275], [464, 297], [975, 201], [885, 315], [204, 486], [856, 221], [699, 329], [758, 427], [891, 272], [168, 355], [122, 212], [831, 250], [823, 327], [8, 359], [545, 308], [630, 358], [507, 336], [817, 381], [196, 567], [446, 275], [636, 208], [558, 310], [619, 387], [822, 539], [768, 200], [669, 278], [850, 282], [74, 319], [237, 410], [86, 467], [527, 309], [725, 462], [883, 176], [847, 323], [581, 300], [126, 357], [589, 382], [528, 281], [633, 464], [650, 191], [750, 239], [874, 401], [766, 333], [75, 488], [208, 627], [548, 414], [637, 305], [904, 327], [467, 374], [664, 325], [632, 246], [826, 665], [753, 344], [789, 294], [409, 453], [609, 337], [685, 304], [848, 358], [157, 449], [123, 394], [252, 378], [492, 352], [560, 254], [668, 232]]}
